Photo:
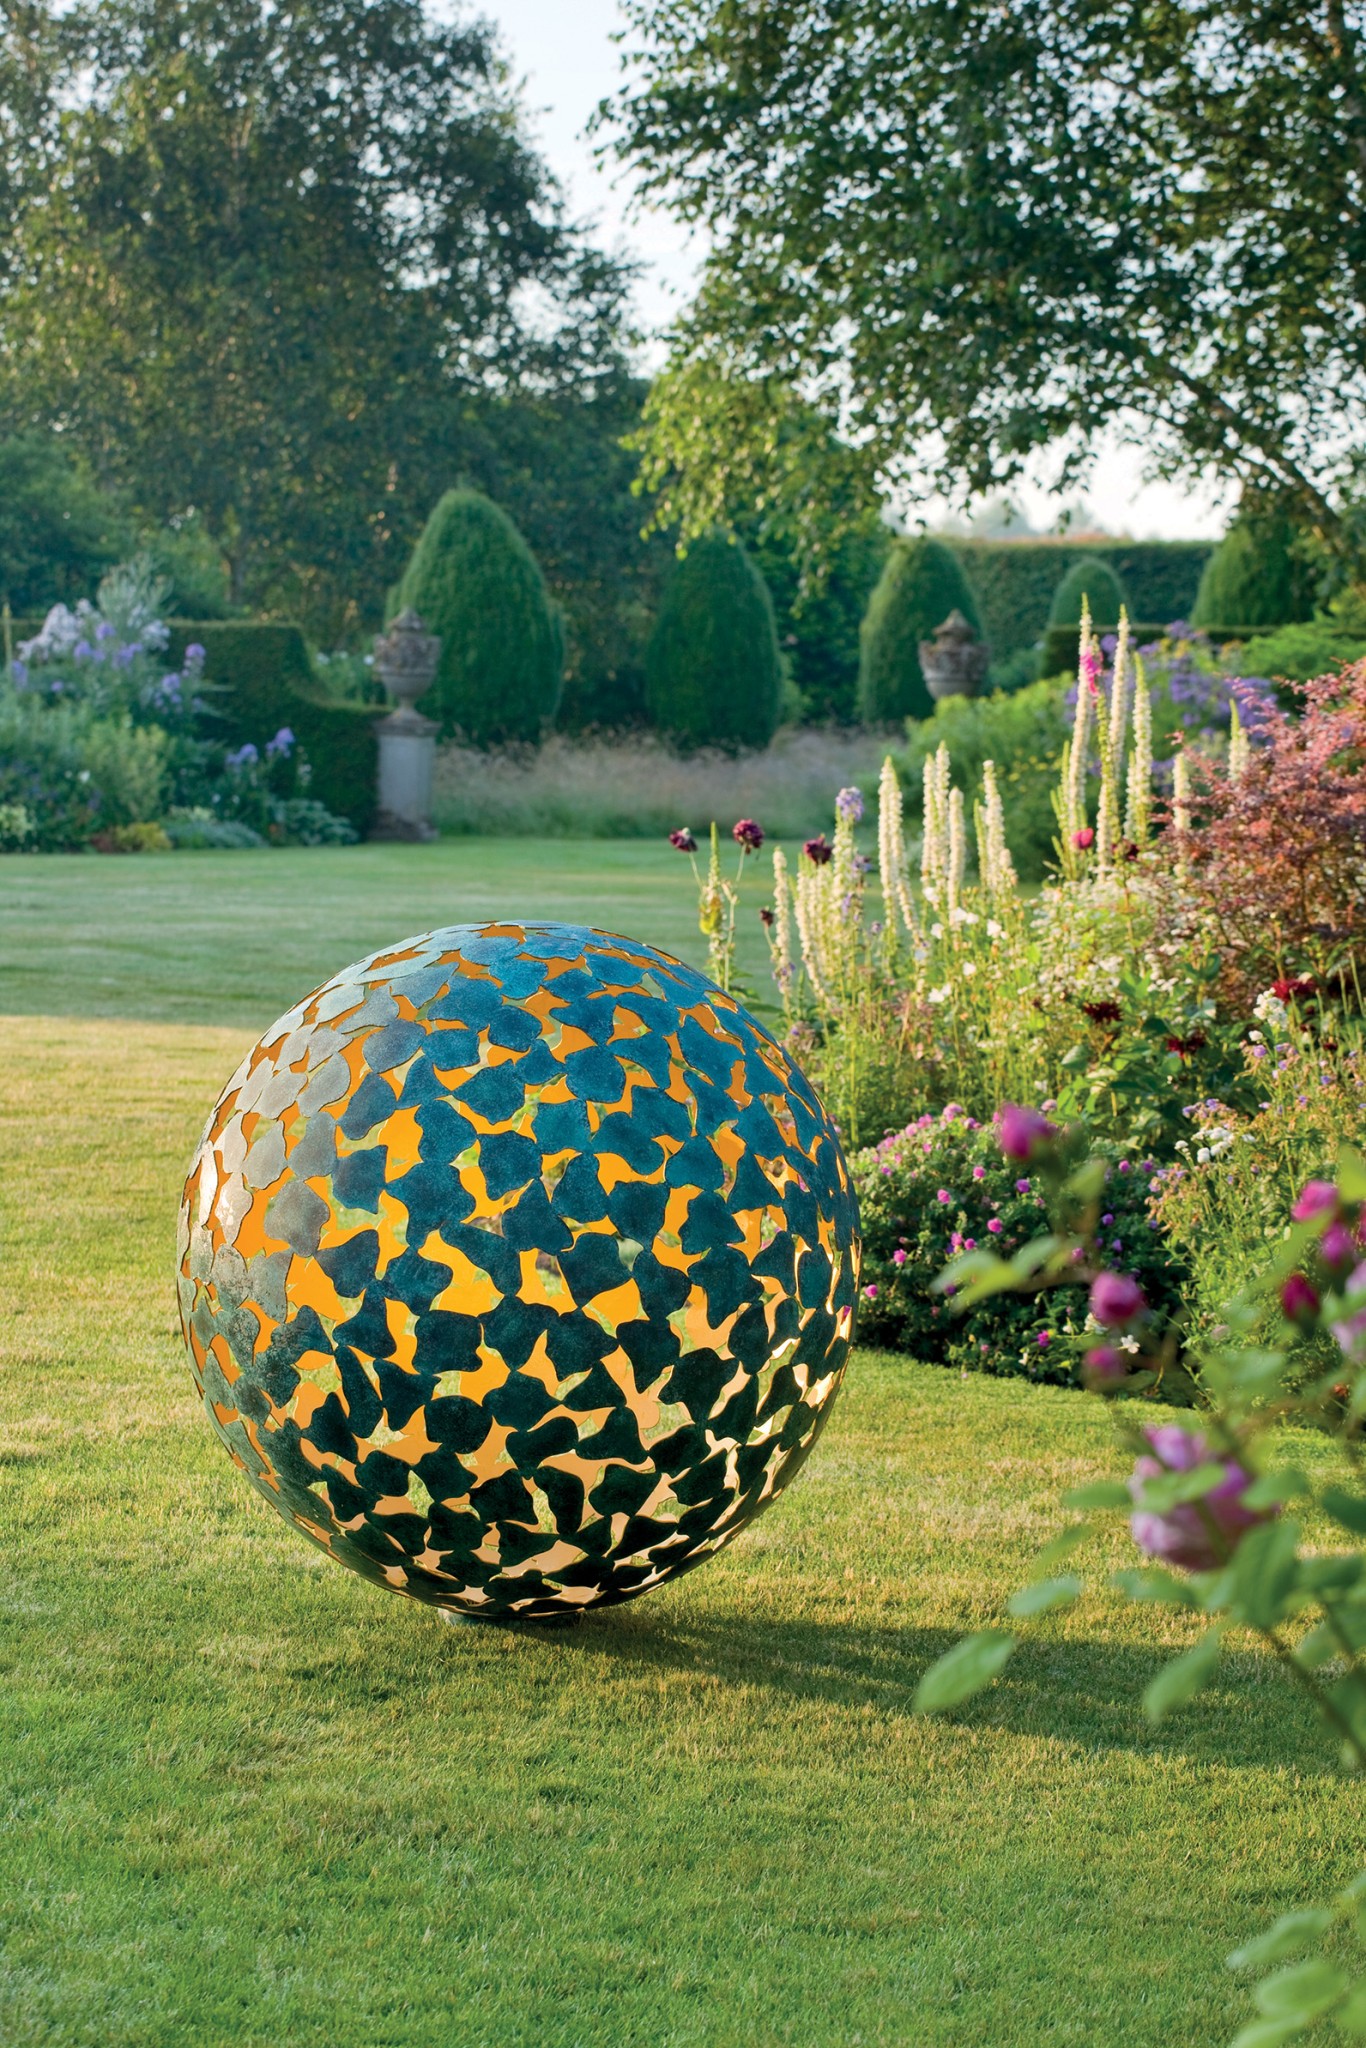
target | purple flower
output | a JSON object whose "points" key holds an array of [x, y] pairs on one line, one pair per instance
{"points": [[870, 1292], [1045, 1338], [943, 1196], [683, 840], [1103, 1366], [82, 651], [246, 756], [747, 834], [1337, 1245], [194, 652], [979, 1173], [1023, 1132], [849, 805], [995, 1226], [1116, 1299], [281, 746], [1198, 1535], [1022, 1187], [104, 631], [19, 671], [1316, 1198], [898, 1257]]}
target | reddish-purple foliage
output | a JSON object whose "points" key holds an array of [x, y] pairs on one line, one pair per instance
{"points": [[1277, 859]]}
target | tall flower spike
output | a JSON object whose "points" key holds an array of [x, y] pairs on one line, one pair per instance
{"points": [[931, 839], [891, 847], [1075, 800], [958, 850], [942, 774], [1181, 808], [1121, 693], [1239, 753], [1139, 781], [1000, 876]]}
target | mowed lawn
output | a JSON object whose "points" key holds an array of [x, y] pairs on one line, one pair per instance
{"points": [[236, 938], [248, 1799]]}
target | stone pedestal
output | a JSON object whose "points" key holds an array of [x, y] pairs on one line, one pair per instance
{"points": [[407, 753], [405, 662]]}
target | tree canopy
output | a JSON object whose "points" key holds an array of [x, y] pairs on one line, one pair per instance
{"points": [[261, 261], [967, 231]]}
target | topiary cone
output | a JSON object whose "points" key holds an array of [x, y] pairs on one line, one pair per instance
{"points": [[713, 672]]}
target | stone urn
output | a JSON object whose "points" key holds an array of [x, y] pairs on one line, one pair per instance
{"points": [[405, 661], [954, 663]]}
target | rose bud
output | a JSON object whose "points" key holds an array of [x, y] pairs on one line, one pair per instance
{"points": [[1116, 1299], [1023, 1133], [1299, 1299], [1197, 1535]]}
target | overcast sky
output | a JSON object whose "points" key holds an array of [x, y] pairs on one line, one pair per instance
{"points": [[565, 56]]}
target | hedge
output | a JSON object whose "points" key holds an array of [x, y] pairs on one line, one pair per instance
{"points": [[263, 680], [1014, 581]]}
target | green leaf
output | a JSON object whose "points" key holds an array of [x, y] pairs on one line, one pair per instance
{"points": [[1265, 1572], [1173, 1489], [1042, 1597], [1105, 1493], [1292, 1932], [1348, 1510], [1183, 1678], [1275, 1488], [963, 1671], [1152, 1582], [1062, 1546], [1266, 2034], [1351, 2014], [1351, 1174], [1302, 1992]]}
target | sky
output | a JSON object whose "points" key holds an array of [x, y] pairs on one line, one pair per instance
{"points": [[563, 53]]}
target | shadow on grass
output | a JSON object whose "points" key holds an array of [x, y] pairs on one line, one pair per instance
{"points": [[1082, 1692]]}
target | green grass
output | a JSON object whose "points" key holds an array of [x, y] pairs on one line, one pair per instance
{"points": [[248, 1799], [235, 938]]}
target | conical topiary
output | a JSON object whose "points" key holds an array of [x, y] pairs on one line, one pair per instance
{"points": [[1253, 578], [1091, 578], [713, 673], [921, 583], [474, 580]]}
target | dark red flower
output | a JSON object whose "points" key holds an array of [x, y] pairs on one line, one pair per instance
{"points": [[1186, 1046], [683, 840], [747, 834], [1102, 1012], [1299, 1299], [767, 915], [819, 850], [1302, 987]]}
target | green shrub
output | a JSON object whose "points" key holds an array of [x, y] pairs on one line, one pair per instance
{"points": [[713, 673], [1296, 653], [475, 582], [1023, 733], [127, 763], [1097, 583], [921, 583], [260, 679], [942, 1186], [1254, 578]]}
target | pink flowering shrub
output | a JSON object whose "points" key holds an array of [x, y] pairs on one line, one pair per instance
{"points": [[944, 1186]]}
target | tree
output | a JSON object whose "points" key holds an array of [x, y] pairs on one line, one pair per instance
{"points": [[921, 584], [58, 531], [475, 581], [966, 232], [262, 263], [713, 673], [1255, 577]]}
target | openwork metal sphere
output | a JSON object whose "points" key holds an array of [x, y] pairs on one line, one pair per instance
{"points": [[517, 1268]]}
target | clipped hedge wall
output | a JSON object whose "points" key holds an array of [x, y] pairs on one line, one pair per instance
{"points": [[262, 680], [1015, 580]]}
